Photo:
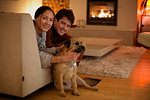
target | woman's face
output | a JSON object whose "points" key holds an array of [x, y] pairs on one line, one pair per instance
{"points": [[44, 22]]}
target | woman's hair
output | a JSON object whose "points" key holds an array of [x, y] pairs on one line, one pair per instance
{"points": [[67, 13], [41, 10]]}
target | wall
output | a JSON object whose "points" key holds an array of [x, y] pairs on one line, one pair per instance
{"points": [[127, 13], [20, 6]]}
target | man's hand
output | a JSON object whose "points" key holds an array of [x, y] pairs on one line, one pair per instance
{"points": [[60, 48], [70, 55]]}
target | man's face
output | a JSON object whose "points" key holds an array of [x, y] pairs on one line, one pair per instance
{"points": [[62, 26]]}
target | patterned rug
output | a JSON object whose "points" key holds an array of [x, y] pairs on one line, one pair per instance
{"points": [[117, 64]]}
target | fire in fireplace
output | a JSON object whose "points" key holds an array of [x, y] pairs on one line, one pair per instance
{"points": [[102, 12]]}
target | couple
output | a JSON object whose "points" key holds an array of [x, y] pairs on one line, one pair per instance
{"points": [[51, 34]]}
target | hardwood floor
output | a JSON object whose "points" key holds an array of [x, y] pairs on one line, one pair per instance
{"points": [[135, 87]]}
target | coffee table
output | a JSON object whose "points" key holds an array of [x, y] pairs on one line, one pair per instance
{"points": [[100, 46]]}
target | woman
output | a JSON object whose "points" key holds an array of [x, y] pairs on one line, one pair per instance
{"points": [[44, 17]]}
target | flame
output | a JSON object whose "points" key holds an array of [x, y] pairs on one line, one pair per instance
{"points": [[103, 14], [93, 16]]}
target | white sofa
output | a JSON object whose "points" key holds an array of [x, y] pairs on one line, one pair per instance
{"points": [[144, 39], [20, 67]]}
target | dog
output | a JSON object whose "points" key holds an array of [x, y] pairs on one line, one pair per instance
{"points": [[65, 74]]}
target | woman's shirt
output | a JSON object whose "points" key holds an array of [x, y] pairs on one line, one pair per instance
{"points": [[41, 41], [45, 53]]}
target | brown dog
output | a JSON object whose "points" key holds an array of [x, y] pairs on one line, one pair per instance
{"points": [[66, 72]]}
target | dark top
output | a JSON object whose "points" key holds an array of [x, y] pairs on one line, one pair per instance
{"points": [[53, 39]]}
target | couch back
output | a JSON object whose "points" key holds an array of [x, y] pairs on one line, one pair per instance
{"points": [[20, 65]]}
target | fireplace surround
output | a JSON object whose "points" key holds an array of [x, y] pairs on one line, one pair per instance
{"points": [[102, 12]]}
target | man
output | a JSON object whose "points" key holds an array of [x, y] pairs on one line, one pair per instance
{"points": [[57, 35]]}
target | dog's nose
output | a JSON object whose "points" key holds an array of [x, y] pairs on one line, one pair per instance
{"points": [[80, 49]]}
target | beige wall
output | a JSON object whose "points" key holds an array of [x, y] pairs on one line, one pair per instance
{"points": [[20, 6], [127, 13]]}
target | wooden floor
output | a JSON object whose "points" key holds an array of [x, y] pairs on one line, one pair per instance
{"points": [[136, 87]]}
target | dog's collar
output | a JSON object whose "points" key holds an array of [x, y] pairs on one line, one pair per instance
{"points": [[74, 64]]}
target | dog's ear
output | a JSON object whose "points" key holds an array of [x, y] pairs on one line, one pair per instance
{"points": [[77, 43], [67, 43]]}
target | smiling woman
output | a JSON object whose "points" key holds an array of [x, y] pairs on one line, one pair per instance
{"points": [[43, 19]]}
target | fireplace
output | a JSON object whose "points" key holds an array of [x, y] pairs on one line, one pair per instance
{"points": [[102, 12]]}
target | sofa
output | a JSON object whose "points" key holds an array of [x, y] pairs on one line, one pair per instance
{"points": [[20, 67], [144, 39]]}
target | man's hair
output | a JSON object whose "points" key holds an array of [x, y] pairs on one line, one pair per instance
{"points": [[41, 10], [65, 13]]}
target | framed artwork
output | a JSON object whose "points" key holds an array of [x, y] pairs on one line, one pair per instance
{"points": [[56, 5]]}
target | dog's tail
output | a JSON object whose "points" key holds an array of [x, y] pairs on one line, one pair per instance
{"points": [[80, 81]]}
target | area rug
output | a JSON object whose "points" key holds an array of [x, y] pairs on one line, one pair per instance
{"points": [[118, 63]]}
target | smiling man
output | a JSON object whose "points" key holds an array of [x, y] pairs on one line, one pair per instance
{"points": [[57, 35]]}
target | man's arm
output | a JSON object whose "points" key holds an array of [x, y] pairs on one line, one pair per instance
{"points": [[68, 56]]}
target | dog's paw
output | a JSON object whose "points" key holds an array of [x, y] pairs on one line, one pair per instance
{"points": [[62, 94], [76, 93]]}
